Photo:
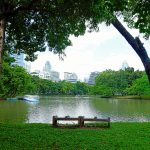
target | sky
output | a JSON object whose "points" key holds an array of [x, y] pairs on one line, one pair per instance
{"points": [[96, 51]]}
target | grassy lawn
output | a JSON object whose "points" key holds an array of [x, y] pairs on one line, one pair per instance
{"points": [[121, 136]]}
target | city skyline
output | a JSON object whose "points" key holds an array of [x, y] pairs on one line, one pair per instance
{"points": [[49, 74], [123, 66], [96, 51]]}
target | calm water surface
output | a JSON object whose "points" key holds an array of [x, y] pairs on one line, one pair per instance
{"points": [[42, 112]]}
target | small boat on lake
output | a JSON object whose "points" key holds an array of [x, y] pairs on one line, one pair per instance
{"points": [[31, 98]]}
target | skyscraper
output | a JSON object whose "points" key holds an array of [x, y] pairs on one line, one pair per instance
{"points": [[124, 65], [48, 73], [47, 67], [55, 76], [92, 77], [70, 77], [20, 61]]}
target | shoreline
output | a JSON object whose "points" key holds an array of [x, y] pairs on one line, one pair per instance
{"points": [[2, 99], [142, 97]]}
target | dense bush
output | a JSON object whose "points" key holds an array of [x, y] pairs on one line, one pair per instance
{"points": [[140, 87]]}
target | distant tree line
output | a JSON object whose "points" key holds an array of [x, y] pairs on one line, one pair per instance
{"points": [[15, 81], [122, 82]]}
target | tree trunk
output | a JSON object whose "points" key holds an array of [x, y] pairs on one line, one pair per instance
{"points": [[136, 45], [2, 34]]}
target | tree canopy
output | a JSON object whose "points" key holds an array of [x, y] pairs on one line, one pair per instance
{"points": [[29, 26], [137, 15], [31, 23]]}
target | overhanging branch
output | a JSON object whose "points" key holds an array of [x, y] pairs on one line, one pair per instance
{"points": [[135, 43]]}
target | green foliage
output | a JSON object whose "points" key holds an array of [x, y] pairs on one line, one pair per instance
{"points": [[14, 79], [139, 87], [101, 90], [107, 79], [122, 136], [40, 22], [50, 23], [81, 88], [137, 15], [47, 87], [65, 88], [115, 82]]}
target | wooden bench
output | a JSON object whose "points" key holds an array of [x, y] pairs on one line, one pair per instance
{"points": [[81, 120], [95, 119]]}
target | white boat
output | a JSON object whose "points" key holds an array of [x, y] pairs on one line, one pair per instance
{"points": [[31, 98]]}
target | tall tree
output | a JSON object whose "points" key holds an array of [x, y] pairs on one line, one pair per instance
{"points": [[137, 15], [30, 25], [136, 45], [13, 81]]}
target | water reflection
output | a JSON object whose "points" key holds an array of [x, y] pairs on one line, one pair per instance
{"points": [[42, 112], [60, 106], [13, 111], [123, 110]]}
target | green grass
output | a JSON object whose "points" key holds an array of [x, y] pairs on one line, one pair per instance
{"points": [[121, 136]]}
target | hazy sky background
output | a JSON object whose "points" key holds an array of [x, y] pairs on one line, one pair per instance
{"points": [[96, 51]]}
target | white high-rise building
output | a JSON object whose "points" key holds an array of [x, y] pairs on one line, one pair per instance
{"points": [[47, 73], [47, 76], [124, 65], [47, 67], [70, 77], [86, 80], [28, 66], [55, 76], [20, 61], [92, 77]]}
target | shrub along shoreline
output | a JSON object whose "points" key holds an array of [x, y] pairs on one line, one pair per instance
{"points": [[121, 135]]}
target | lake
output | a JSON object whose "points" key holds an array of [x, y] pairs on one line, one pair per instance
{"points": [[42, 112]]}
